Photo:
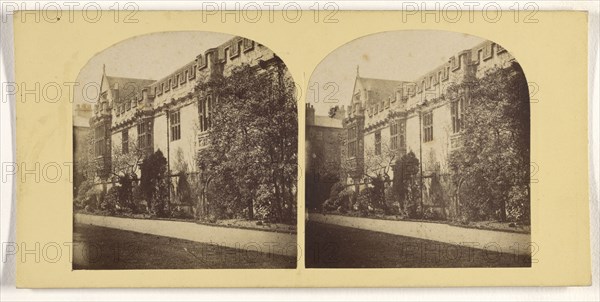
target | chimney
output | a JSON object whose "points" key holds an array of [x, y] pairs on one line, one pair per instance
{"points": [[310, 114], [83, 110]]}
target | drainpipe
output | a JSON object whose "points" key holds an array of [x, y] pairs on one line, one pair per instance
{"points": [[168, 158], [421, 158]]}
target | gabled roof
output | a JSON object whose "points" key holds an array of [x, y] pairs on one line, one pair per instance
{"points": [[383, 88], [128, 87]]}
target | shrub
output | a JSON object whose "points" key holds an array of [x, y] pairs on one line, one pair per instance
{"points": [[82, 191], [330, 204], [262, 205], [364, 201], [181, 213], [413, 210], [139, 201], [184, 191], [345, 200], [518, 209], [86, 196], [336, 189], [125, 192], [432, 214], [154, 183], [110, 201], [392, 203], [340, 200]]}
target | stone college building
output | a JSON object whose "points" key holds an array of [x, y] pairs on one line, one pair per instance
{"points": [[398, 116], [169, 114]]}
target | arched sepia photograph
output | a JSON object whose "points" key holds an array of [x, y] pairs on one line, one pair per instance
{"points": [[418, 154], [185, 155]]}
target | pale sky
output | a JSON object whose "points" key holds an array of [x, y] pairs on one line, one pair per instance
{"points": [[395, 55], [151, 56]]}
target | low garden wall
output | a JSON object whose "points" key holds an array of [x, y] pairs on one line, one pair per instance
{"points": [[505, 242], [262, 241]]}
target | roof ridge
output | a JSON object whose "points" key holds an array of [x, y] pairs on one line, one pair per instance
{"points": [[128, 78], [379, 79]]}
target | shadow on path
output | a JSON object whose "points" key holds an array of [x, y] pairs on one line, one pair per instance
{"points": [[331, 246], [105, 248]]}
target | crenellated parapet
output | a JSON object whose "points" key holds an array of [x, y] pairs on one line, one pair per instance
{"points": [[461, 67], [172, 81], [212, 62]]}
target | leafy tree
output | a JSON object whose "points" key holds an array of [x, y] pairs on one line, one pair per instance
{"points": [[252, 154], [376, 168], [406, 184], [492, 166], [184, 190], [333, 110], [124, 167], [154, 183]]}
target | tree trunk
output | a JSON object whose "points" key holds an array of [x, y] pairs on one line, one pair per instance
{"points": [[457, 198], [503, 211], [250, 204], [277, 196]]}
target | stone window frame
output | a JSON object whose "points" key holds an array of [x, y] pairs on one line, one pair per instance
{"points": [[204, 110], [457, 108], [144, 129], [352, 141], [396, 136], [175, 124], [99, 140], [428, 126]]}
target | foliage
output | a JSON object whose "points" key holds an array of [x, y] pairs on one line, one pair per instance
{"points": [[126, 164], [376, 168], [85, 194], [333, 110], [392, 201], [378, 197], [492, 166], [184, 191], [125, 192], [262, 207], [436, 190], [252, 155], [365, 200], [433, 214], [111, 200], [341, 198], [181, 213], [139, 199], [154, 183], [336, 189], [406, 186]]}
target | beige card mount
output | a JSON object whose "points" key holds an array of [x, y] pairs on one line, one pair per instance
{"points": [[369, 149]]}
